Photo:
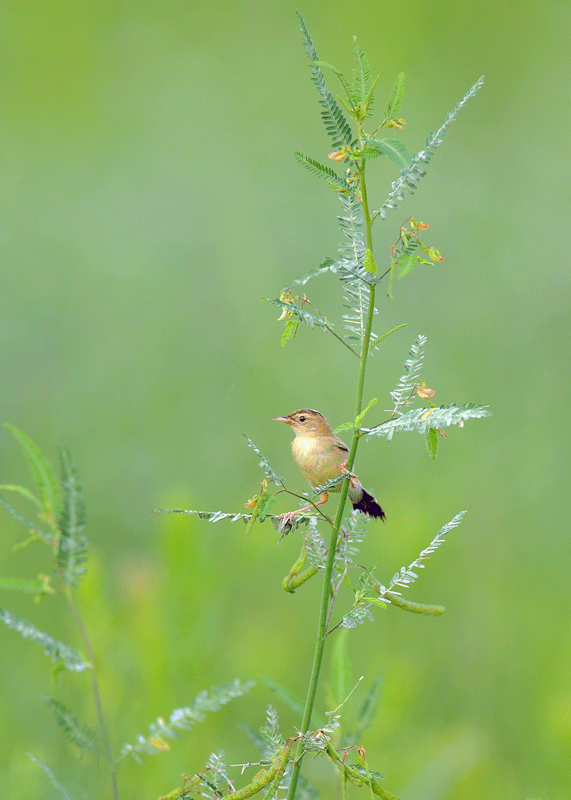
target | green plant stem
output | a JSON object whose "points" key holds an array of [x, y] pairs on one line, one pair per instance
{"points": [[95, 684], [325, 593]]}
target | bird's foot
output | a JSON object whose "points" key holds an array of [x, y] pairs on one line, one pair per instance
{"points": [[353, 479]]}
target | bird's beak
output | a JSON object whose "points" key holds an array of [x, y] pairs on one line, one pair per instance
{"points": [[287, 420]]}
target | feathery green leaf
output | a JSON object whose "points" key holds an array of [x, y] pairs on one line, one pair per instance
{"points": [[431, 438], [302, 315], [184, 718], [378, 339], [406, 182], [323, 171], [326, 266], [395, 100], [218, 516], [422, 419], [76, 732], [33, 526], [403, 394], [264, 463], [406, 575], [73, 545], [362, 79], [391, 148], [52, 778], [42, 473], [333, 118], [6, 487], [58, 652]]}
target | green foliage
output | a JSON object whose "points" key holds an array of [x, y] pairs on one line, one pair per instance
{"points": [[52, 778], [406, 184], [408, 382], [406, 575], [184, 718], [391, 148], [42, 473], [333, 118], [358, 271], [327, 265], [303, 316], [431, 439], [264, 463], [38, 533], [396, 97], [321, 171], [59, 653], [75, 731], [73, 545], [422, 419], [361, 92], [333, 555]]}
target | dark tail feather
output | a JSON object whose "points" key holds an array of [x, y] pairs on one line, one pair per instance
{"points": [[369, 506]]}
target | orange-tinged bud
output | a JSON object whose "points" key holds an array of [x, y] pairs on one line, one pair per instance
{"points": [[423, 391]]}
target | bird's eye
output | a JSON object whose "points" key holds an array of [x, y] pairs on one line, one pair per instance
{"points": [[302, 419]]}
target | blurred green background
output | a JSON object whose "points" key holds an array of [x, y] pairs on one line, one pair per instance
{"points": [[149, 198]]}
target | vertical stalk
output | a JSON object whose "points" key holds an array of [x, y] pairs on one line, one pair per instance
{"points": [[325, 593], [107, 753]]}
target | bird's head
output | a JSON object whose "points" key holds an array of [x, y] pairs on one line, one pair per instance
{"points": [[307, 421]]}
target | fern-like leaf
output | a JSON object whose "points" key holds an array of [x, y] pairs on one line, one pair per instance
{"points": [[59, 653], [285, 696], [33, 526], [391, 148], [407, 180], [184, 718], [353, 532], [209, 516], [402, 395], [407, 575], [356, 279], [72, 551], [51, 777], [431, 438], [75, 731], [42, 474], [311, 320], [316, 546], [326, 266], [323, 171], [362, 79], [422, 419], [22, 490], [356, 616], [395, 100], [333, 118], [264, 463], [270, 736]]}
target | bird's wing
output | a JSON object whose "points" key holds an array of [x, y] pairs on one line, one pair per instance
{"points": [[340, 445]]}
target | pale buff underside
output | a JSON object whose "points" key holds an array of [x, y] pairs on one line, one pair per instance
{"points": [[320, 458]]}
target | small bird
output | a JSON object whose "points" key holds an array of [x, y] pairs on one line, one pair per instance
{"points": [[322, 456]]}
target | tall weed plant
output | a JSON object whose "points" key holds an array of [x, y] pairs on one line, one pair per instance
{"points": [[364, 134]]}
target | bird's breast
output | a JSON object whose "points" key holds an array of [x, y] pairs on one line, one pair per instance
{"points": [[318, 458]]}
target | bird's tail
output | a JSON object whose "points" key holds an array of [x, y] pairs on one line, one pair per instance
{"points": [[368, 505]]}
